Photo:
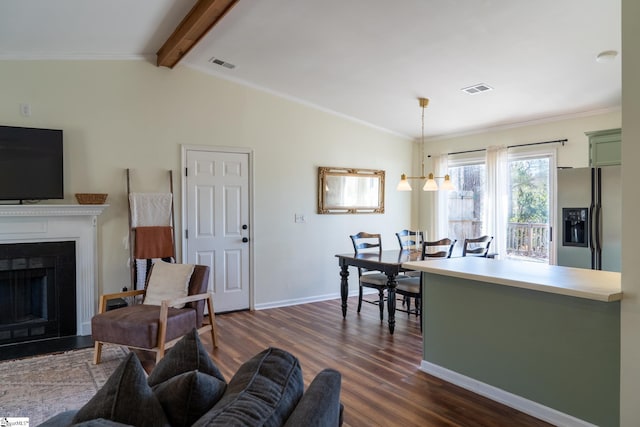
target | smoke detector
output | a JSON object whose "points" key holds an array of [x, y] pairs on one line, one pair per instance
{"points": [[222, 63], [477, 88]]}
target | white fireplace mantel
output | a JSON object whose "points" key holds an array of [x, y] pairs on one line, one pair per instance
{"points": [[58, 223]]}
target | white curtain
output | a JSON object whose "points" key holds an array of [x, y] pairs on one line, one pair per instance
{"points": [[496, 209], [441, 220]]}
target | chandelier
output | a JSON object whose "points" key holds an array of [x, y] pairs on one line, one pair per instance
{"points": [[430, 183]]}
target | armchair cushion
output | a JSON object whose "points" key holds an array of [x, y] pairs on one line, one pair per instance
{"points": [[137, 325], [125, 398], [168, 281]]}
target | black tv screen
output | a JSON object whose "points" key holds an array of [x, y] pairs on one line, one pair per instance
{"points": [[30, 164]]}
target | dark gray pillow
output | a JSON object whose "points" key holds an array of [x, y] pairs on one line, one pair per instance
{"points": [[100, 422], [125, 398], [263, 392], [186, 397], [187, 355]]}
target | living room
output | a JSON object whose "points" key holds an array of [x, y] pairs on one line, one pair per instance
{"points": [[119, 114]]}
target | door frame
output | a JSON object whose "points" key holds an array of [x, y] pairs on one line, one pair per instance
{"points": [[184, 148]]}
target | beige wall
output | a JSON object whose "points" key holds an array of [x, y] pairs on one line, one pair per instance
{"points": [[630, 328], [131, 114], [574, 153]]}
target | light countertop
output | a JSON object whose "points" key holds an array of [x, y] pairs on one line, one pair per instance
{"points": [[576, 282]]}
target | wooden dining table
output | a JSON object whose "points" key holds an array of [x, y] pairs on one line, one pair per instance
{"points": [[388, 262]]}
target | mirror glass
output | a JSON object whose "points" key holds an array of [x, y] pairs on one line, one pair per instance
{"points": [[350, 190]]}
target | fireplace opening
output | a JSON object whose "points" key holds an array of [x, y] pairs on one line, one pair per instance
{"points": [[37, 291]]}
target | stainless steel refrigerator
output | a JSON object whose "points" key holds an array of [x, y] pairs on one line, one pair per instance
{"points": [[589, 212]]}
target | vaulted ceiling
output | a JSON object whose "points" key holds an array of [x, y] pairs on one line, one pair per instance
{"points": [[368, 60]]}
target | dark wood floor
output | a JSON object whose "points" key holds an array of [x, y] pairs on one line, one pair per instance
{"points": [[381, 382]]}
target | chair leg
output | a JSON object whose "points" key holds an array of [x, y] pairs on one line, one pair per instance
{"points": [[381, 303], [359, 298], [97, 352], [162, 331], [212, 322]]}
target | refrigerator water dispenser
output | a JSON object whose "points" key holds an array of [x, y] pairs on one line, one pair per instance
{"points": [[575, 227]]}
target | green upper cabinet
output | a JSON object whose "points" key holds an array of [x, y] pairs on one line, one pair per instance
{"points": [[605, 147]]}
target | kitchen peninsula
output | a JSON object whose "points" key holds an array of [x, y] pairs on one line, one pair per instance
{"points": [[541, 338]]}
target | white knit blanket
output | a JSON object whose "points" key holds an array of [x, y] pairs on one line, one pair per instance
{"points": [[150, 209]]}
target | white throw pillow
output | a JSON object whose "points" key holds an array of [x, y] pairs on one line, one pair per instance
{"points": [[168, 281]]}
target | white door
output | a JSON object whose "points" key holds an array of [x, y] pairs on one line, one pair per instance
{"points": [[217, 223]]}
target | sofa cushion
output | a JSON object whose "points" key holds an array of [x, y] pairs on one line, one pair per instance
{"points": [[125, 398], [320, 405], [59, 420], [100, 422], [167, 281], [263, 392], [188, 354], [186, 397]]}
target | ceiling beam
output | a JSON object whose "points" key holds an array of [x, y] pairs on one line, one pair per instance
{"points": [[202, 17]]}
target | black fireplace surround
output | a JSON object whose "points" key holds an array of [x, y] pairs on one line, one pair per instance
{"points": [[37, 291]]}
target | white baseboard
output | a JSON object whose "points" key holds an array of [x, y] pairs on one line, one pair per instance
{"points": [[316, 298], [290, 302], [527, 406]]}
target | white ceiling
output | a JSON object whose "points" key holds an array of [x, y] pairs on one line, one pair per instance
{"points": [[365, 59]]}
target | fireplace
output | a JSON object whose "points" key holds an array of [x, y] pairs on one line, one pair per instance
{"points": [[37, 291], [74, 282]]}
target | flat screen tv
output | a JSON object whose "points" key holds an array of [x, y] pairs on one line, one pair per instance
{"points": [[30, 164]]}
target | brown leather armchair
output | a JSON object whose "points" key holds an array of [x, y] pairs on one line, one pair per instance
{"points": [[152, 327]]}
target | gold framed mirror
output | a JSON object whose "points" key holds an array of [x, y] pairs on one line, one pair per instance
{"points": [[350, 190]]}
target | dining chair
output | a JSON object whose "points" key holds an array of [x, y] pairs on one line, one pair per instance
{"points": [[412, 287], [369, 242], [478, 246], [442, 248], [409, 239]]}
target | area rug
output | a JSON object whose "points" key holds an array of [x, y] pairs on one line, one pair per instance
{"points": [[43, 386]]}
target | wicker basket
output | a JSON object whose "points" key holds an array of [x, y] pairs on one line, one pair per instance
{"points": [[91, 198]]}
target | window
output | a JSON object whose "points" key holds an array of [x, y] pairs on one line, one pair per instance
{"points": [[465, 206], [513, 201], [529, 209]]}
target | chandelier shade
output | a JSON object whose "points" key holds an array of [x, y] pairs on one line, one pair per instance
{"points": [[430, 183]]}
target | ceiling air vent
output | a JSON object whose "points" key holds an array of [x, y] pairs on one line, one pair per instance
{"points": [[222, 63], [475, 89]]}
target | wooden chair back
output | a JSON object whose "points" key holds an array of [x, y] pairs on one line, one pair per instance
{"points": [[445, 244], [408, 239], [366, 241], [478, 246]]}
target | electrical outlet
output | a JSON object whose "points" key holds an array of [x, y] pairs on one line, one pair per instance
{"points": [[25, 110]]}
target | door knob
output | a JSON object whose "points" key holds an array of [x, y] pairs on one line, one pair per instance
{"points": [[245, 239], [245, 226]]}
